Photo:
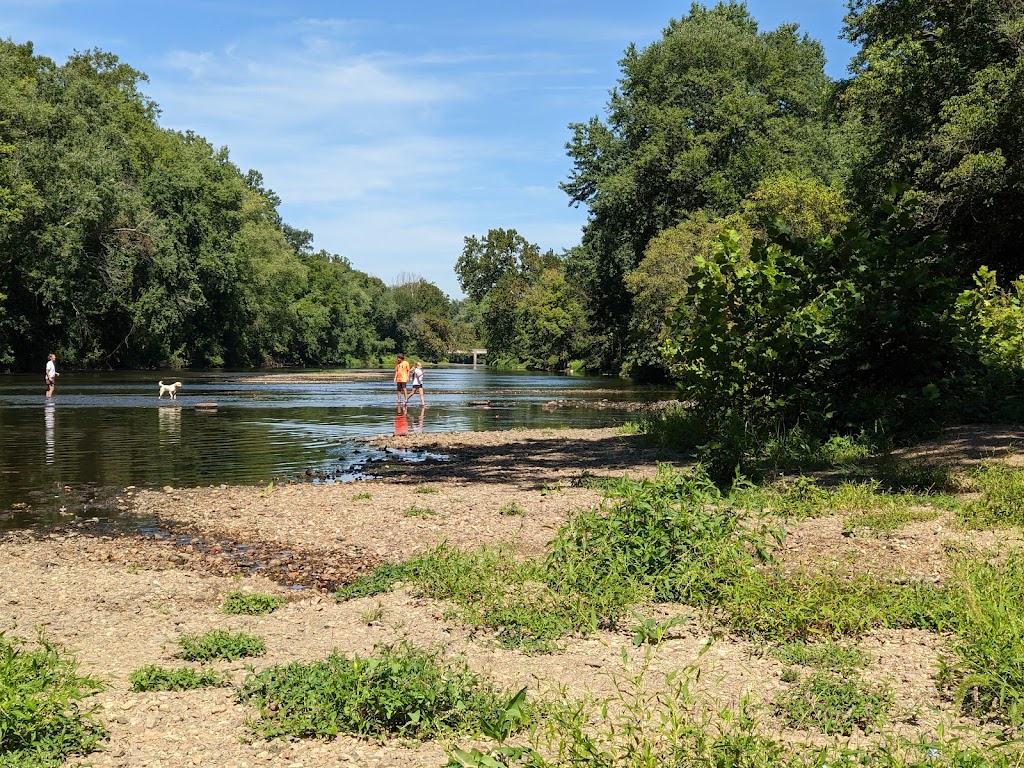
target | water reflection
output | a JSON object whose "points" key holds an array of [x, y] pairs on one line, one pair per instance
{"points": [[50, 425], [170, 425], [401, 422], [418, 424]]}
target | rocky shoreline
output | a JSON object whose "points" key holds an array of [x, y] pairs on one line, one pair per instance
{"points": [[120, 601]]}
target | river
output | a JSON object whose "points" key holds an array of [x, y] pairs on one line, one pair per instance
{"points": [[105, 431]]}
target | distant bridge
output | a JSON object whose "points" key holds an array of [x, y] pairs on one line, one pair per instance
{"points": [[476, 354]]}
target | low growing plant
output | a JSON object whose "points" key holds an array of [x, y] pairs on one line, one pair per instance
{"points": [[511, 510], [835, 703], [823, 655], [398, 691], [250, 603], [42, 721], [220, 644], [156, 678], [382, 579]]}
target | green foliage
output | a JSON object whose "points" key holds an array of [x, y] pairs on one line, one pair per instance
{"points": [[936, 102], [1002, 496], [398, 691], [835, 703], [250, 603], [220, 644], [382, 579], [157, 678], [698, 118], [418, 511], [652, 631], [837, 657], [42, 721], [511, 510], [666, 537], [988, 676]]}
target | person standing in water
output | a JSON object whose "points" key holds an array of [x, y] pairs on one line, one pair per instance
{"points": [[401, 379], [51, 374], [417, 385]]}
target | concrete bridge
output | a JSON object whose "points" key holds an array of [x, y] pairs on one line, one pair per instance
{"points": [[476, 354]]}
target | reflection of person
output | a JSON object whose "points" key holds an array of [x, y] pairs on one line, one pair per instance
{"points": [[418, 426], [51, 374], [401, 377], [50, 422], [417, 385], [401, 422]]}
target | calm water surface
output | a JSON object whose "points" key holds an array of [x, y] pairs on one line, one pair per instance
{"points": [[102, 432]]}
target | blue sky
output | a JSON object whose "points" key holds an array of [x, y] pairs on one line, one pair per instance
{"points": [[390, 130]]}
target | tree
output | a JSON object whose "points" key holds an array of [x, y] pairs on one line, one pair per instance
{"points": [[485, 262], [698, 119], [937, 94], [550, 322]]}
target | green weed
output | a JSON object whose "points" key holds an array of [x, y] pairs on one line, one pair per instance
{"points": [[398, 691], [886, 521], [1002, 497], [988, 677], [426, 489], [363, 496], [834, 703], [42, 722], [239, 603], [382, 579], [652, 631], [220, 644], [417, 511], [825, 655], [156, 678], [511, 510]]}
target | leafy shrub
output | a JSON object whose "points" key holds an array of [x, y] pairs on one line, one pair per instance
{"points": [[250, 603], [398, 691], [220, 644], [834, 703], [41, 720], [667, 536], [156, 678]]}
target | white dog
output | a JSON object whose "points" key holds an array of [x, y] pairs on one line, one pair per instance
{"points": [[170, 389]]}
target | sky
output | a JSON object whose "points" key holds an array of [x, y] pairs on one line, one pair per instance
{"points": [[390, 130]]}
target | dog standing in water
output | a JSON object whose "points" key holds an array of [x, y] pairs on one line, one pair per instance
{"points": [[169, 389]]}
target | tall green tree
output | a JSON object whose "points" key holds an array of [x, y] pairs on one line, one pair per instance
{"points": [[699, 117], [937, 95]]}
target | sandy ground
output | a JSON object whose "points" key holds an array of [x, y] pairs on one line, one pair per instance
{"points": [[120, 602]]}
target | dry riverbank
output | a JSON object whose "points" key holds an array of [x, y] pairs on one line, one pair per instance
{"points": [[120, 603]]}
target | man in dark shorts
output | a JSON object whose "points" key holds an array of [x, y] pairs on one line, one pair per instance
{"points": [[401, 379]]}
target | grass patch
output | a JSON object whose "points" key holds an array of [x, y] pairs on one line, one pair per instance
{"points": [[987, 679], [42, 722], [380, 580], [238, 603], [827, 655], [426, 489], [156, 678], [834, 703], [511, 510], [398, 691], [220, 644], [1002, 497], [363, 496], [417, 511], [889, 520]]}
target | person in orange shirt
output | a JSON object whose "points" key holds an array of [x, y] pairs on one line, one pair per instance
{"points": [[401, 379]]}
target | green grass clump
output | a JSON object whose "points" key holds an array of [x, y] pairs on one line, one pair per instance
{"points": [[988, 677], [669, 537], [511, 510], [886, 521], [156, 678], [802, 606], [417, 511], [220, 644], [398, 691], [826, 655], [42, 722], [1002, 497], [834, 703], [252, 604], [380, 580]]}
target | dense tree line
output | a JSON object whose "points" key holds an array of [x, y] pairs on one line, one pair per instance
{"points": [[794, 250], [123, 244]]}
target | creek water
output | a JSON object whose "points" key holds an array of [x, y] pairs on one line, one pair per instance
{"points": [[70, 455]]}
